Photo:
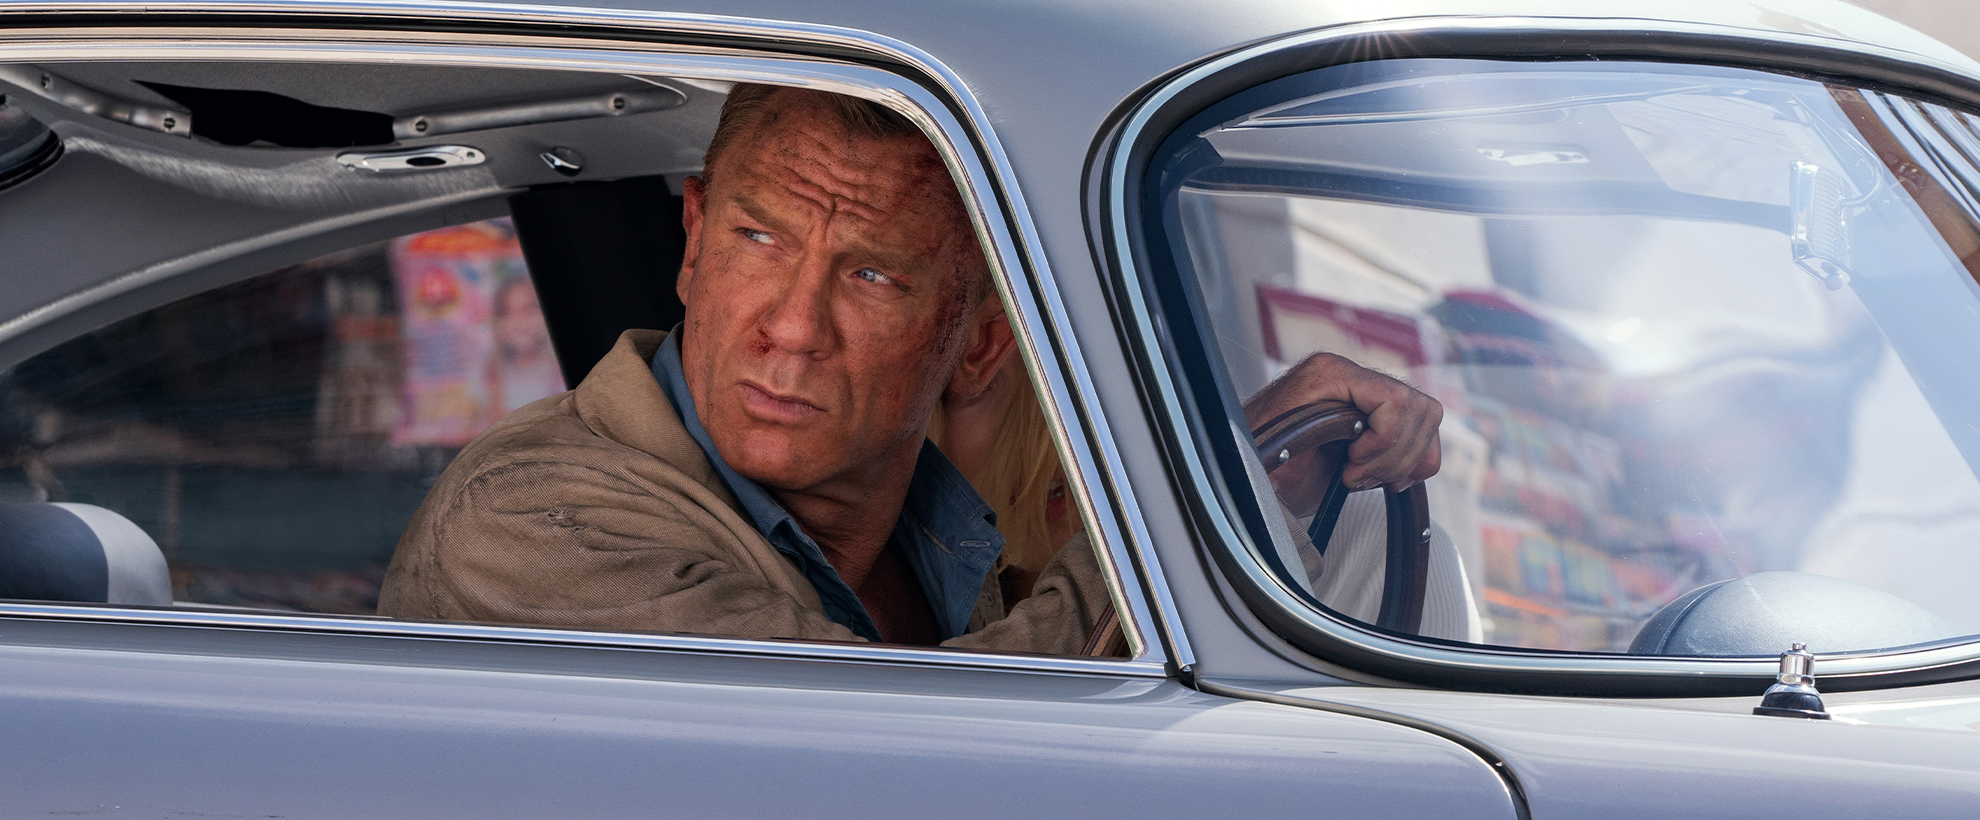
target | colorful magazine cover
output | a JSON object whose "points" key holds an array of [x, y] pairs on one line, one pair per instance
{"points": [[474, 340]]}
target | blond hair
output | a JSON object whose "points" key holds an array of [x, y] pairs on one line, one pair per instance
{"points": [[1017, 479]]}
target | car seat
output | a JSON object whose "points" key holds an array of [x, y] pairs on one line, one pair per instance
{"points": [[80, 553]]}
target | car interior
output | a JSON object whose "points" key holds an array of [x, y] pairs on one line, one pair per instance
{"points": [[260, 306], [256, 308], [159, 197], [1666, 306], [270, 164]]}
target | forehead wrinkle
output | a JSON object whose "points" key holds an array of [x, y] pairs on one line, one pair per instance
{"points": [[833, 204], [873, 176], [746, 201], [898, 255], [863, 196], [862, 190]]}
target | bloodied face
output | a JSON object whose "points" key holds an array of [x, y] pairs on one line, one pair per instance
{"points": [[832, 282]]}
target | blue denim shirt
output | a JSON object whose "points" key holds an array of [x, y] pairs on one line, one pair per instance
{"points": [[946, 531]]}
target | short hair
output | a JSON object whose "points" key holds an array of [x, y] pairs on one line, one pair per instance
{"points": [[744, 109]]}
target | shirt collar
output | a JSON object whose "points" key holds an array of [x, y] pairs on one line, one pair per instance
{"points": [[948, 534]]}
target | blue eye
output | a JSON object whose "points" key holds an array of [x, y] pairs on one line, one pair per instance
{"points": [[759, 237], [874, 276]]}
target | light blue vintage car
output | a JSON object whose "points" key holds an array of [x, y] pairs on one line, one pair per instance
{"points": [[1697, 283]]}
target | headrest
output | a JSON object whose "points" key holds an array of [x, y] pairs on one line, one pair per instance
{"points": [[1763, 613], [79, 552]]}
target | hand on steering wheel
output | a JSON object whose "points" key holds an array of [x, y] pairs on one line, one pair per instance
{"points": [[1342, 426], [1400, 446], [1305, 452]]}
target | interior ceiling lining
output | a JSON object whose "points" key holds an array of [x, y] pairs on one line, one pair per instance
{"points": [[657, 143], [308, 184], [389, 89], [137, 198]]}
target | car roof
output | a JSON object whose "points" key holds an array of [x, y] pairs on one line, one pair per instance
{"points": [[1114, 46], [1096, 49], [1049, 74]]}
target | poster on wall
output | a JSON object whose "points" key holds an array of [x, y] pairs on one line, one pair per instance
{"points": [[1296, 324], [475, 345]]}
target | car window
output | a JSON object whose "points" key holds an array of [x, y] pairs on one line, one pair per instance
{"points": [[281, 440], [1699, 334], [273, 436]]}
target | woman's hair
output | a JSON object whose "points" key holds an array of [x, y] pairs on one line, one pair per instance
{"points": [[1016, 481]]}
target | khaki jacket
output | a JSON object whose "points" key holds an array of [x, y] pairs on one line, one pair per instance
{"points": [[595, 509]]}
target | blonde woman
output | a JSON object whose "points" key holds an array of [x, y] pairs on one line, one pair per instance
{"points": [[999, 440]]}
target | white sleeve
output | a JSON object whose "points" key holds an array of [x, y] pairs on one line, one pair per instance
{"points": [[1348, 578]]}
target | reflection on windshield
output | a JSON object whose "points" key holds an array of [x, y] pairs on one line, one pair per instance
{"points": [[1665, 361]]}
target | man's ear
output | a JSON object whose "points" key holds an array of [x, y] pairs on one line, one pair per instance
{"points": [[990, 343], [694, 193]]}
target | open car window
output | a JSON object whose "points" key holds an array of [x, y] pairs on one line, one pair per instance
{"points": [[268, 431], [1700, 336], [273, 436]]}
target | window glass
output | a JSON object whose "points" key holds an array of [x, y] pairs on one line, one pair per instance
{"points": [[274, 436], [1689, 326]]}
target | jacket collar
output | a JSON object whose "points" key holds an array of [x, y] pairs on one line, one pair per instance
{"points": [[946, 531], [620, 401]]}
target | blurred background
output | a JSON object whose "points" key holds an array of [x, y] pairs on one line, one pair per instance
{"points": [[243, 427], [1954, 22]]}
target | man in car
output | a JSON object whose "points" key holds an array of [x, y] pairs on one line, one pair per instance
{"points": [[763, 471]]}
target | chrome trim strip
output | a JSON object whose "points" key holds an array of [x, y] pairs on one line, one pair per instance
{"points": [[1480, 659], [408, 160], [1036, 306], [386, 627]]}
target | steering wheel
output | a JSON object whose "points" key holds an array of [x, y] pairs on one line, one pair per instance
{"points": [[1313, 439], [1310, 442]]}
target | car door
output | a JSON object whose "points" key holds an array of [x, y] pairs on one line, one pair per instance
{"points": [[160, 721], [1662, 355], [286, 699]]}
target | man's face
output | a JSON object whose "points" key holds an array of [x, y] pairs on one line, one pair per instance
{"points": [[828, 280]]}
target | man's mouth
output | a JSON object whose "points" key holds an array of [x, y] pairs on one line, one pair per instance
{"points": [[777, 407]]}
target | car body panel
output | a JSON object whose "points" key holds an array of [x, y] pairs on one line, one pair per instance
{"points": [[160, 719], [168, 721], [1713, 757], [1523, 39]]}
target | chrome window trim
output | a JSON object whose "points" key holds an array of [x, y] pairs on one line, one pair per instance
{"points": [[539, 636], [1121, 164], [954, 120]]}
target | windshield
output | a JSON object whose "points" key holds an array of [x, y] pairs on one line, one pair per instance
{"points": [[1693, 329]]}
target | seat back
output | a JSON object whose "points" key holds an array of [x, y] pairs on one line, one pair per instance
{"points": [[80, 553]]}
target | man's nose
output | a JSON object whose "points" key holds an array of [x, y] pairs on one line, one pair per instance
{"points": [[800, 322]]}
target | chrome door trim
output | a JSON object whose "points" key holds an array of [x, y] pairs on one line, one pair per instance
{"points": [[954, 120], [433, 630], [1119, 165]]}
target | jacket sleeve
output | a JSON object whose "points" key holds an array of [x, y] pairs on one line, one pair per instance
{"points": [[1059, 615], [572, 545]]}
